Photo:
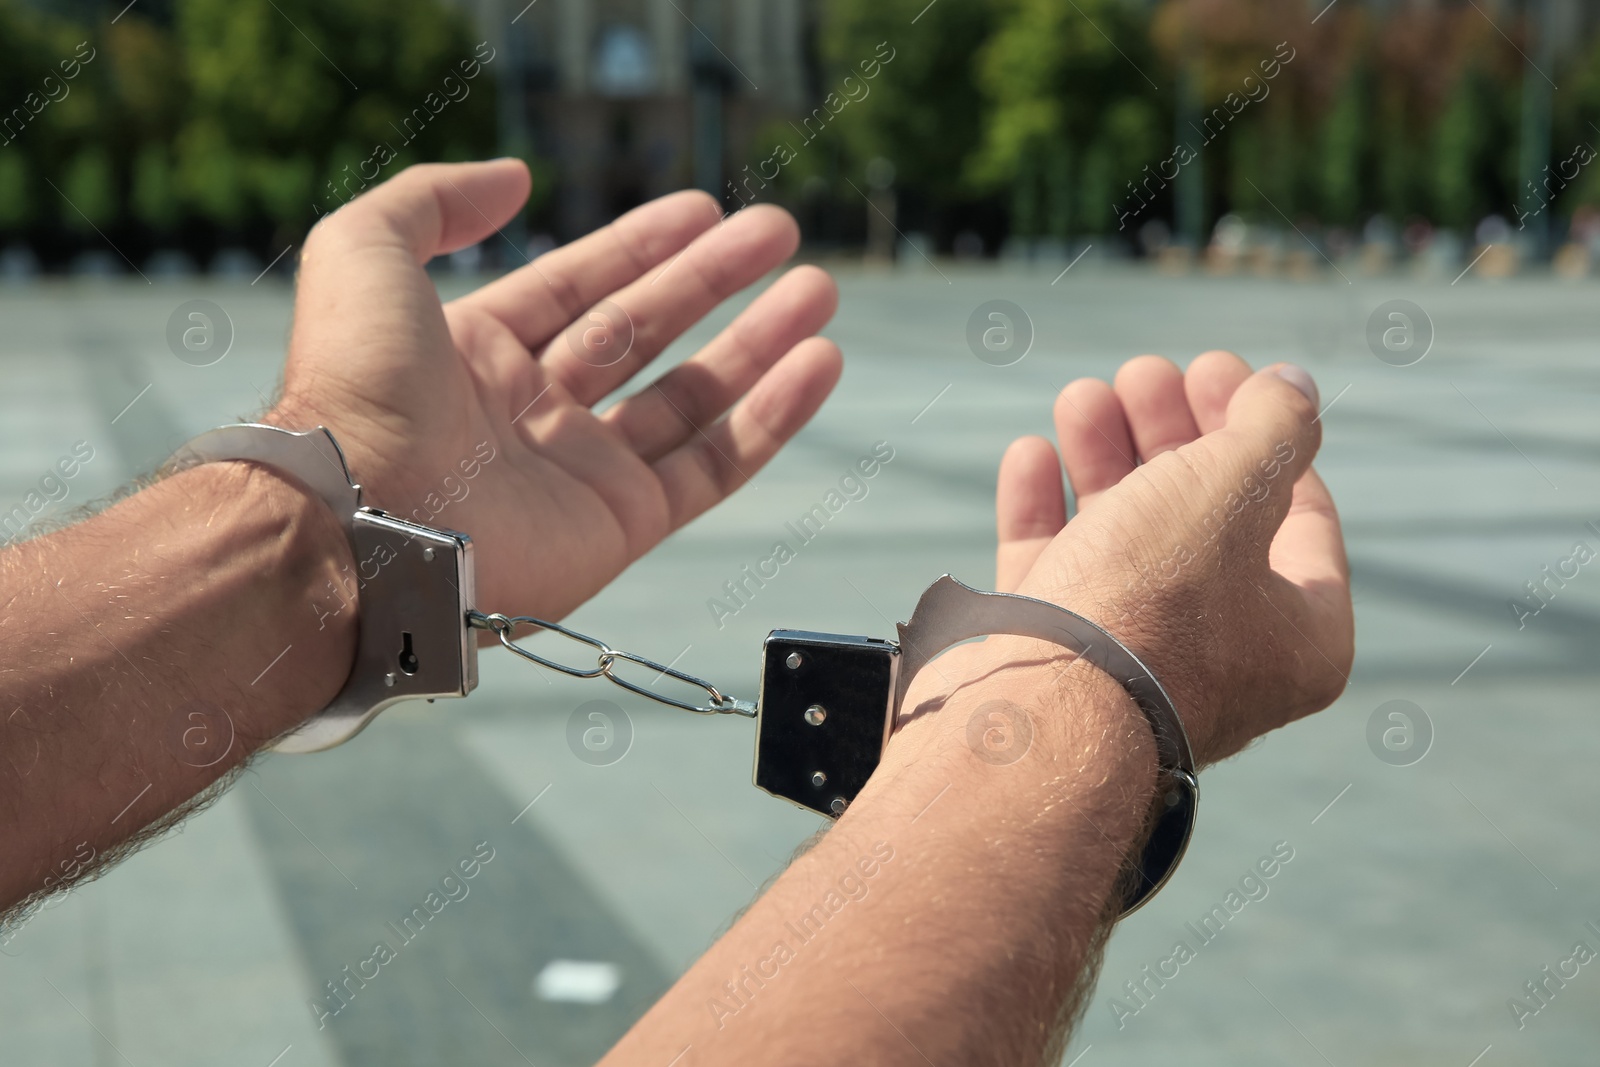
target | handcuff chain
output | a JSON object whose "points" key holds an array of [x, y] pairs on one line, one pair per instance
{"points": [[503, 625]]}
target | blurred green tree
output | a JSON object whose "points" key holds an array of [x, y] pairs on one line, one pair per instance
{"points": [[41, 112], [921, 114], [1577, 136], [154, 195], [89, 187], [148, 93], [16, 199], [1075, 113], [261, 114], [1340, 162], [1464, 141], [286, 94]]}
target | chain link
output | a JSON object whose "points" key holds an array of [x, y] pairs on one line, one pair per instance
{"points": [[503, 625]]}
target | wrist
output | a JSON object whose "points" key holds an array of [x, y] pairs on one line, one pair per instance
{"points": [[1030, 725], [168, 637], [272, 554]]}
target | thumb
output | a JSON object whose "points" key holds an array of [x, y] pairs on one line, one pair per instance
{"points": [[430, 209], [1273, 422], [1274, 417]]}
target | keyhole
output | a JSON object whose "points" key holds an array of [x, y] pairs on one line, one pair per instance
{"points": [[408, 658]]}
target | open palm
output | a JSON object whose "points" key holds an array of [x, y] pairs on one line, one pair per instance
{"points": [[477, 415], [1202, 538]]}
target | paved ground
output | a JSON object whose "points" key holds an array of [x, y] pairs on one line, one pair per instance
{"points": [[1419, 898]]}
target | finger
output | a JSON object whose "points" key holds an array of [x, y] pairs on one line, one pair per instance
{"points": [[1210, 383], [1270, 438], [425, 211], [546, 295], [1095, 445], [361, 292], [724, 456], [656, 309], [1151, 391], [695, 394], [1030, 508]]}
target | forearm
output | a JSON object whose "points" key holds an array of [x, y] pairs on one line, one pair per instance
{"points": [[954, 912], [132, 647]]}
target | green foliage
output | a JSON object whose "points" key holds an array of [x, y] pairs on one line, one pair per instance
{"points": [[1128, 138], [1374, 109], [209, 173], [1576, 121], [16, 203], [1342, 147], [277, 117], [90, 190], [247, 114], [1462, 146], [921, 112], [235, 111], [1075, 116], [1065, 71], [283, 186], [155, 192]]}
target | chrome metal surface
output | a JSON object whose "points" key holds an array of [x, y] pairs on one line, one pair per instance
{"points": [[415, 584], [502, 627]]}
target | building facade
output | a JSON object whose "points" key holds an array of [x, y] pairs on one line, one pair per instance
{"points": [[629, 99]]}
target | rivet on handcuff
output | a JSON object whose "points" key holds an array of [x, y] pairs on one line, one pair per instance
{"points": [[827, 703]]}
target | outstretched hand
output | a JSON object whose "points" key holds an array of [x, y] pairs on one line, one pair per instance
{"points": [[1203, 539], [477, 415]]}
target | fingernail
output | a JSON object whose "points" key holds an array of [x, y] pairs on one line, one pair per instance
{"points": [[1301, 379]]}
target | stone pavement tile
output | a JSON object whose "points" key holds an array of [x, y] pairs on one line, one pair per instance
{"points": [[367, 845], [178, 956], [1397, 934], [1415, 906], [671, 839]]}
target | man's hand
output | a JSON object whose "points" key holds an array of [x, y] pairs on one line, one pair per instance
{"points": [[1203, 539], [419, 395]]}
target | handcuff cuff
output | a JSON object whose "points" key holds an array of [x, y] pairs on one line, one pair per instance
{"points": [[827, 703]]}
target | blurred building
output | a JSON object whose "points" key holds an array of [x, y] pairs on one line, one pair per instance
{"points": [[629, 99]]}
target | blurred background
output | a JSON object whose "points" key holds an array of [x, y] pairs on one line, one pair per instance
{"points": [[1012, 194], [207, 135]]}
